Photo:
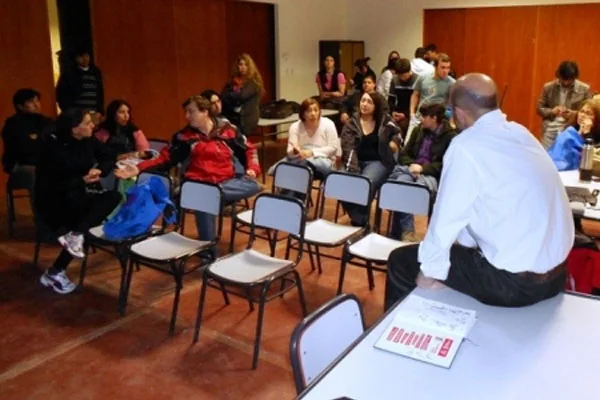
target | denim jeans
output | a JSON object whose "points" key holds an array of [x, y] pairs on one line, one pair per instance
{"points": [[320, 166], [377, 174], [402, 222], [233, 190]]}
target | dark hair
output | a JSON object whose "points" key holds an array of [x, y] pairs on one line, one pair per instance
{"points": [[110, 123], [306, 105], [371, 77], [430, 47], [22, 96], [402, 66], [435, 109], [567, 70], [379, 111], [67, 120], [208, 93], [442, 57], [362, 62], [201, 102], [392, 53], [420, 52]]}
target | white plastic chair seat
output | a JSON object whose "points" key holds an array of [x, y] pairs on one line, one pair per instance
{"points": [[245, 216], [98, 232], [247, 267], [375, 247], [326, 232], [168, 246]]}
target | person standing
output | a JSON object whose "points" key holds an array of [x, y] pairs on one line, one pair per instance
{"points": [[560, 99], [401, 93], [501, 227]]}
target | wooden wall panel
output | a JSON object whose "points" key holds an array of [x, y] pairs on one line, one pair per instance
{"points": [[446, 28], [135, 51]]}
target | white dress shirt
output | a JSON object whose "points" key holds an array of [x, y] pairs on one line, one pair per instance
{"points": [[500, 192]]}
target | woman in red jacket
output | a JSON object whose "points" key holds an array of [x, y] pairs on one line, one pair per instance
{"points": [[213, 151]]}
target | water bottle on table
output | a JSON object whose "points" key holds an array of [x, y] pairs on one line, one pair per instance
{"points": [[587, 161]]}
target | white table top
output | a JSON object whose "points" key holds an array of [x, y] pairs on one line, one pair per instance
{"points": [[546, 351], [291, 119], [571, 178]]}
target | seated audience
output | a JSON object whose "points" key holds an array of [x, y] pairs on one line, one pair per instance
{"points": [[119, 132], [68, 194], [501, 228], [212, 150], [362, 64], [392, 58], [216, 105], [330, 81], [566, 149], [559, 100], [21, 136], [419, 65], [241, 95], [350, 104], [366, 148], [312, 141], [420, 161], [400, 93]]}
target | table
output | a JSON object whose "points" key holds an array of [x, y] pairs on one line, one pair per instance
{"points": [[545, 351], [571, 178], [265, 123]]}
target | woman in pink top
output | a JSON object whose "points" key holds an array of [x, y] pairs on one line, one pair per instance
{"points": [[331, 82], [119, 132]]}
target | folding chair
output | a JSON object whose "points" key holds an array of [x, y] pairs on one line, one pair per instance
{"points": [[287, 176], [11, 217], [323, 336], [169, 252], [250, 274], [373, 249], [341, 186]]}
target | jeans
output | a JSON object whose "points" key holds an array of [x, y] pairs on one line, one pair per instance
{"points": [[402, 222], [471, 274], [377, 174], [233, 190], [320, 166]]}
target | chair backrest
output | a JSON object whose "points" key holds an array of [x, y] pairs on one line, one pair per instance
{"points": [[292, 177], [347, 187], [201, 196], [406, 197], [323, 336], [145, 176], [279, 213], [157, 144]]}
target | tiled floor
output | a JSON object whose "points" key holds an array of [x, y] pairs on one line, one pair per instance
{"points": [[78, 347]]}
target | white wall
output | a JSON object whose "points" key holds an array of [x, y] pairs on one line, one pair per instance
{"points": [[387, 25], [299, 25]]}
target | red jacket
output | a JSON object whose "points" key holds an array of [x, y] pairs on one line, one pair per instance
{"points": [[209, 158]]}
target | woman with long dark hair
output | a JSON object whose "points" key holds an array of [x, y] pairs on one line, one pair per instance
{"points": [[331, 82], [119, 132], [68, 196], [241, 94]]}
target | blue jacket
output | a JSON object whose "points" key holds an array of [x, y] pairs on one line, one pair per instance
{"points": [[566, 149]]}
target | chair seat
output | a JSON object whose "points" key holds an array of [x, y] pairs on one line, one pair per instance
{"points": [[245, 216], [249, 266], [97, 232], [169, 246], [329, 233], [375, 247]]}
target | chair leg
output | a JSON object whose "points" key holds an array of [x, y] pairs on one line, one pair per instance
{"points": [[337, 212], [318, 203], [273, 243], [225, 295], [232, 238], [123, 305], [288, 247], [345, 257], [370, 275], [300, 293], [178, 285], [310, 257], [122, 257], [250, 302], [319, 265], [261, 312], [200, 307], [182, 224], [82, 273]]}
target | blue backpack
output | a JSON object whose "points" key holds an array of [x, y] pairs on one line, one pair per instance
{"points": [[566, 149], [145, 204]]}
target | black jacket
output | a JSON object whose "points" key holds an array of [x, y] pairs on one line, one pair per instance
{"points": [[21, 135], [63, 163], [440, 144], [248, 99], [352, 134], [69, 88]]}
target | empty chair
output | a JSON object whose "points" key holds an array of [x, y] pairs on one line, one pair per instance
{"points": [[323, 336], [340, 186], [373, 250], [170, 252], [287, 177], [250, 274]]}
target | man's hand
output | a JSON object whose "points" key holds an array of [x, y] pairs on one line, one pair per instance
{"points": [[428, 283], [415, 169], [92, 176], [344, 117], [398, 116], [558, 110], [251, 173], [126, 171]]}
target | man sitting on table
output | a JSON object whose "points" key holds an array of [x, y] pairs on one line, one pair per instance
{"points": [[502, 200]]}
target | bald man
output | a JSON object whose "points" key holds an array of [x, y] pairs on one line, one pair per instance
{"points": [[501, 228]]}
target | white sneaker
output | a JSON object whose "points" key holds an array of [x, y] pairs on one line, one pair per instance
{"points": [[59, 282], [73, 243]]}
